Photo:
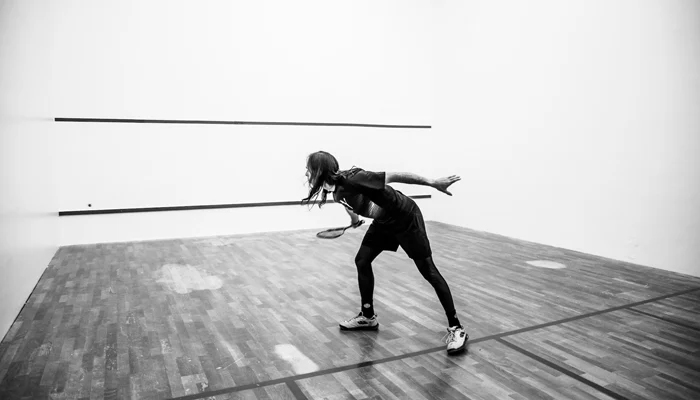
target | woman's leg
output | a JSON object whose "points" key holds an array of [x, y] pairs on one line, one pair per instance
{"points": [[365, 277], [427, 268], [365, 320], [456, 335], [414, 240]]}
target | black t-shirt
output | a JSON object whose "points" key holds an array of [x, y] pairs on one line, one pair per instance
{"points": [[365, 193]]}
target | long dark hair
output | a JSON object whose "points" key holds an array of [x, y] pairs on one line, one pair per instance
{"points": [[323, 167]]}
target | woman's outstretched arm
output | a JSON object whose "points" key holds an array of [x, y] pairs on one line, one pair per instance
{"points": [[440, 184]]}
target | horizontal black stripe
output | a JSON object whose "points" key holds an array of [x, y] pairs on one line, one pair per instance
{"points": [[564, 371], [364, 364], [197, 207], [593, 313], [665, 319], [208, 122]]}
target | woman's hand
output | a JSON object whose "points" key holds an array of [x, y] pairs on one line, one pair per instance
{"points": [[442, 184], [357, 223]]}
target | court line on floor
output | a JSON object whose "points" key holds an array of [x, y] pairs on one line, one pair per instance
{"points": [[564, 371], [421, 352], [296, 391], [665, 319]]}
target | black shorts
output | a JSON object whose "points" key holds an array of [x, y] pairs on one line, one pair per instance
{"points": [[408, 231]]}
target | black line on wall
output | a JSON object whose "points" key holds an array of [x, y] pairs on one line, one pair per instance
{"points": [[196, 207], [207, 122]]}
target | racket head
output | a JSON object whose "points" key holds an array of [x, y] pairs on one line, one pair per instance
{"points": [[331, 233]]}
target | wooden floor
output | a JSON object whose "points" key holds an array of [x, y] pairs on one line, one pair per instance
{"points": [[256, 317]]}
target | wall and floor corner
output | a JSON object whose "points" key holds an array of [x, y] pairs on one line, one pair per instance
{"points": [[178, 60], [575, 124], [28, 229]]}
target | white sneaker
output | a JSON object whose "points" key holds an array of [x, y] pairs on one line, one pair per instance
{"points": [[456, 339], [360, 323]]}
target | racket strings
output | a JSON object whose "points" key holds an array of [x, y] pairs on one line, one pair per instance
{"points": [[331, 233], [336, 232]]}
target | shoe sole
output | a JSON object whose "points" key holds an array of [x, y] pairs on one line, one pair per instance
{"points": [[360, 328]]}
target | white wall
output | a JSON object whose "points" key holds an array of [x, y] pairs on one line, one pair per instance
{"points": [[151, 166], [308, 60], [572, 123], [302, 61], [28, 232], [577, 123]]}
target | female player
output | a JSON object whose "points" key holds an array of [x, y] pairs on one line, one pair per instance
{"points": [[397, 221]]}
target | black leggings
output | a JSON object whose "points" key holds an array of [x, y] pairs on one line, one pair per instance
{"points": [[426, 266]]}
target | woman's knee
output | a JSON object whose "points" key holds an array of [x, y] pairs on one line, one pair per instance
{"points": [[363, 263], [424, 263], [364, 258], [427, 268]]}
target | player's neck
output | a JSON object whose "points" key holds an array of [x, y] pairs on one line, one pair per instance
{"points": [[328, 188]]}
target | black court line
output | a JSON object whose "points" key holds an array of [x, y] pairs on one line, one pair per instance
{"points": [[209, 122], [198, 207], [296, 391], [563, 370], [421, 352], [665, 319]]}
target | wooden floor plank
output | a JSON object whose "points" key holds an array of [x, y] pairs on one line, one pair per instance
{"points": [[187, 317], [684, 310], [489, 371], [631, 354]]}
